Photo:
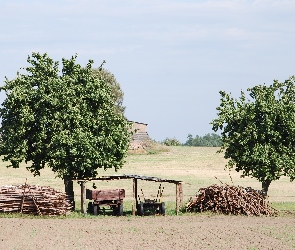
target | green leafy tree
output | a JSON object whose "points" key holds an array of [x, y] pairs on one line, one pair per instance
{"points": [[258, 132], [66, 120]]}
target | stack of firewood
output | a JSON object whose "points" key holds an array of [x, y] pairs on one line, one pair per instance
{"points": [[31, 199], [228, 199]]}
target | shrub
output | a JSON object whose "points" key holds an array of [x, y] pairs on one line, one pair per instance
{"points": [[171, 142]]}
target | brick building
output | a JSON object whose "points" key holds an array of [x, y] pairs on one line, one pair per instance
{"points": [[140, 135]]}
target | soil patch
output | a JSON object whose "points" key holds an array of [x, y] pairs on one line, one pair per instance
{"points": [[153, 232]]}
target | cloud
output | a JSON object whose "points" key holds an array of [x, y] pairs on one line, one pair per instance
{"points": [[117, 26], [132, 23], [281, 4], [135, 8]]}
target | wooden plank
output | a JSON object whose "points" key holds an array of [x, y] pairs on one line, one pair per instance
{"points": [[135, 196], [83, 197], [179, 197]]}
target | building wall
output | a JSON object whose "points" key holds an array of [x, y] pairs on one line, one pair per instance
{"points": [[139, 127]]}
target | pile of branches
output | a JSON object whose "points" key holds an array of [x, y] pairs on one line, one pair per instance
{"points": [[228, 199], [36, 200]]}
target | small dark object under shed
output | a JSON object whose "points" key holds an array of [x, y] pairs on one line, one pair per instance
{"points": [[150, 206]]}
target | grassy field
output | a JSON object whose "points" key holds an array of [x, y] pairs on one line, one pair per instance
{"points": [[196, 167]]}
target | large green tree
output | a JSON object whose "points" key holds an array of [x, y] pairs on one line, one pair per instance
{"points": [[66, 120], [258, 131]]}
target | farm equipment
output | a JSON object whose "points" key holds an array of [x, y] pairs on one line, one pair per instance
{"points": [[111, 198], [155, 206]]}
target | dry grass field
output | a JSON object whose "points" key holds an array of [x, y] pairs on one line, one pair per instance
{"points": [[197, 168]]}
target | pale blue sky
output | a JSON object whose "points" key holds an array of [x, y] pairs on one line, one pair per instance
{"points": [[171, 57]]}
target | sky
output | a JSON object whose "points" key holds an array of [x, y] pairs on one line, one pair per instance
{"points": [[170, 57]]}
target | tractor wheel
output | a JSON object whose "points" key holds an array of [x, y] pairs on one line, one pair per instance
{"points": [[140, 210], [90, 208], [163, 209], [120, 209], [95, 209]]}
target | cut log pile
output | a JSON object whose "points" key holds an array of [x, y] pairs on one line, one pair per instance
{"points": [[228, 199], [36, 200]]}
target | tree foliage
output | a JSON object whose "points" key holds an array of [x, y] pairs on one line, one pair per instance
{"points": [[171, 142], [66, 120], [258, 132], [110, 79], [208, 140]]}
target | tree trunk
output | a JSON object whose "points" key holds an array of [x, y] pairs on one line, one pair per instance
{"points": [[69, 189], [265, 186]]}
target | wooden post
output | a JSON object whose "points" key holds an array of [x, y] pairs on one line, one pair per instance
{"points": [[134, 195], [179, 196], [83, 197]]}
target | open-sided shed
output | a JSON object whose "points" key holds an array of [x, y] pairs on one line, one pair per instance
{"points": [[135, 178]]}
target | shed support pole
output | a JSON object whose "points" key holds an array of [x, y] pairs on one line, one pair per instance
{"points": [[134, 195], [179, 196], [83, 197]]}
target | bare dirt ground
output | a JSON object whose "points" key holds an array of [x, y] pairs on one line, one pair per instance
{"points": [[150, 232]]}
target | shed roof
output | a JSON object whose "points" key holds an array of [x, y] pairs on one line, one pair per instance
{"points": [[138, 122], [131, 176]]}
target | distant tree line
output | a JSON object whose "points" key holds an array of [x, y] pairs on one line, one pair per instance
{"points": [[208, 140]]}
